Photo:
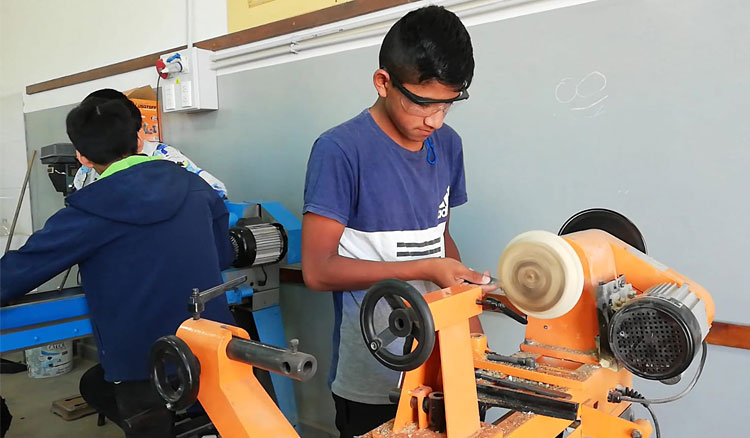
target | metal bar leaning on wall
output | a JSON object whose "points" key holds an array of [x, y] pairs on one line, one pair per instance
{"points": [[20, 201]]}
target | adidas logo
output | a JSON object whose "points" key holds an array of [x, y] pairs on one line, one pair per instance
{"points": [[443, 209]]}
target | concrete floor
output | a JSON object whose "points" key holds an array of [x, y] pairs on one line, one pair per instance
{"points": [[29, 401]]}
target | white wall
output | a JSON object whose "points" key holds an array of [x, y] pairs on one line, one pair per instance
{"points": [[42, 40]]}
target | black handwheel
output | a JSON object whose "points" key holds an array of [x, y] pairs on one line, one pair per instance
{"points": [[409, 322], [179, 391]]}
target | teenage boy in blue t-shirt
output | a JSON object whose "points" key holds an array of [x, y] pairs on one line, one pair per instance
{"points": [[378, 194]]}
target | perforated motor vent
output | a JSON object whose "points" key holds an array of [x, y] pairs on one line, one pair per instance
{"points": [[653, 338]]}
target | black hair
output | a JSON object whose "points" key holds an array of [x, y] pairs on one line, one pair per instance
{"points": [[429, 43], [102, 130], [107, 94]]}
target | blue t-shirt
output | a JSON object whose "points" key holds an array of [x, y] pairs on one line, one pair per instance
{"points": [[393, 203]]}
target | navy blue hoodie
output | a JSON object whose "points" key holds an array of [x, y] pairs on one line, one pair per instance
{"points": [[143, 238]]}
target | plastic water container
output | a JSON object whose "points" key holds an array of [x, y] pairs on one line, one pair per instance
{"points": [[50, 360]]}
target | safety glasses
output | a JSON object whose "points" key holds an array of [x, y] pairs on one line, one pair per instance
{"points": [[425, 106]]}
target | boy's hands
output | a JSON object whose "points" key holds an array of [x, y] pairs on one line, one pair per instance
{"points": [[490, 286], [446, 272]]}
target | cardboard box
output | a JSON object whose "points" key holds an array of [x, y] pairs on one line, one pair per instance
{"points": [[145, 99]]}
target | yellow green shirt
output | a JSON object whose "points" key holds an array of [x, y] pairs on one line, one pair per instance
{"points": [[126, 163]]}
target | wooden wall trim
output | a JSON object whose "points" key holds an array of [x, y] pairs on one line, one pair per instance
{"points": [[329, 15], [305, 21], [101, 72], [721, 333], [729, 335]]}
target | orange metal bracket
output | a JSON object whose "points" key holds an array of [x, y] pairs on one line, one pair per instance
{"points": [[235, 401], [596, 423], [418, 397], [450, 368]]}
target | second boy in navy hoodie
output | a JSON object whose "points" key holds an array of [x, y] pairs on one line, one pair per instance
{"points": [[143, 236]]}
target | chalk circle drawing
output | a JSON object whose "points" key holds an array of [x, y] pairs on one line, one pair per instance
{"points": [[585, 96]]}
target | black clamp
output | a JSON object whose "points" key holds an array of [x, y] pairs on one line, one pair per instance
{"points": [[197, 301], [495, 305]]}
